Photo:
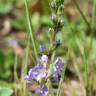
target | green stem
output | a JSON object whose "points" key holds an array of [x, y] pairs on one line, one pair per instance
{"points": [[15, 73], [24, 66], [30, 29], [93, 23], [62, 75], [92, 31], [51, 66], [90, 47], [80, 11], [86, 74]]}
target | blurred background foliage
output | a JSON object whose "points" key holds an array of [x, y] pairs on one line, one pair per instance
{"points": [[13, 30]]}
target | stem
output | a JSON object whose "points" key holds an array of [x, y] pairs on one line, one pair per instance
{"points": [[15, 73], [50, 71], [63, 75], [93, 23], [93, 15], [90, 47], [24, 66], [30, 29], [73, 55], [92, 31], [86, 74], [55, 27], [80, 11]]}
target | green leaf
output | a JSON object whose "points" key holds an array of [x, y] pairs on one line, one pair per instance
{"points": [[45, 20], [5, 6], [4, 83], [35, 21], [4, 91]]}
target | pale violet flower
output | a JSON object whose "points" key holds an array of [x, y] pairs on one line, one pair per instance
{"points": [[59, 65], [37, 73], [44, 58], [42, 48], [42, 90]]}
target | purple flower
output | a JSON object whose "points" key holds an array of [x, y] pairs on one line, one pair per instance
{"points": [[30, 75], [37, 73], [55, 75], [42, 90], [42, 48], [59, 65], [41, 74], [44, 58]]}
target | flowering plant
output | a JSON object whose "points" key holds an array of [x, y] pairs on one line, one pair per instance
{"points": [[40, 72], [46, 67]]}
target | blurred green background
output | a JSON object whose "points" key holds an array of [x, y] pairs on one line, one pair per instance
{"points": [[76, 33]]}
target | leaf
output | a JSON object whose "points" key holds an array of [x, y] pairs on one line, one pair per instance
{"points": [[4, 91], [5, 6], [35, 21], [4, 83], [46, 21]]}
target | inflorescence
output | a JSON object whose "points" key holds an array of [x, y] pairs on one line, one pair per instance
{"points": [[40, 73]]}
